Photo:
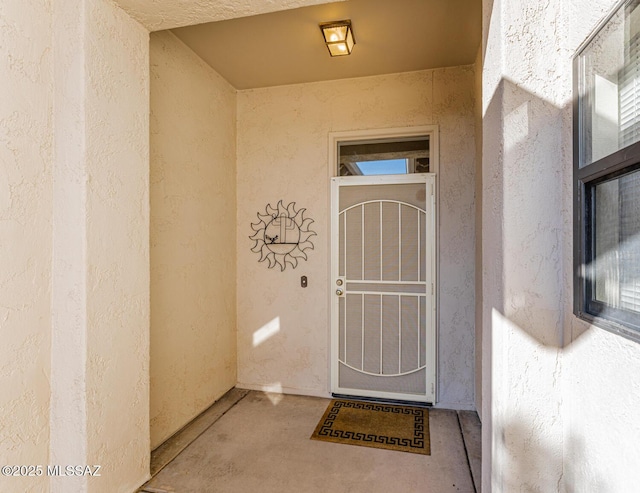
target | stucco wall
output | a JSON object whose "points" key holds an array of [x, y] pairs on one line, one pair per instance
{"points": [[560, 392], [75, 242], [193, 236], [99, 378], [282, 154], [600, 388], [601, 426], [117, 246], [167, 14], [26, 153], [478, 230], [523, 155], [68, 410]]}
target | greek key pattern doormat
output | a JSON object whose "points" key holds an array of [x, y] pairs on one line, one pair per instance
{"points": [[370, 424]]}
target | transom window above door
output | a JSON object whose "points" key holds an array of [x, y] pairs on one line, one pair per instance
{"points": [[384, 157]]}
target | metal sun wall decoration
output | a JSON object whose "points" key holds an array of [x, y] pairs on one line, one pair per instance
{"points": [[282, 235]]}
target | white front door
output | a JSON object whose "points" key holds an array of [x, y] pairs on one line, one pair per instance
{"points": [[383, 287]]}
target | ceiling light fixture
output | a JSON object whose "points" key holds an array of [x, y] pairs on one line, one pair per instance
{"points": [[339, 37]]}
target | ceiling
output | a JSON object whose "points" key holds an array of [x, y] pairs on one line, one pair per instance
{"points": [[157, 15], [286, 47]]}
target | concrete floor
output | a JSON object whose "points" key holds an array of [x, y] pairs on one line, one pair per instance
{"points": [[252, 441]]}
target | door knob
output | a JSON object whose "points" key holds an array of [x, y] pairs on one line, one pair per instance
{"points": [[339, 292]]}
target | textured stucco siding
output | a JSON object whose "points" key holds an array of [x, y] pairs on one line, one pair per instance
{"points": [[117, 243], [601, 427], [26, 154], [156, 15], [100, 374], [68, 410], [282, 155], [478, 230], [600, 386], [193, 236], [523, 156], [557, 392], [87, 404], [453, 112]]}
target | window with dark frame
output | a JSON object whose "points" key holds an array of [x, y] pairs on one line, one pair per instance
{"points": [[607, 174]]}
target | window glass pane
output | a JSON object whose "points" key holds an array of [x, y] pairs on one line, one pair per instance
{"points": [[383, 167], [608, 86], [384, 157], [616, 243]]}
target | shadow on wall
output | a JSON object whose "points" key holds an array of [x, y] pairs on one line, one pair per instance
{"points": [[574, 447], [526, 217], [531, 224], [534, 469], [530, 471], [526, 228]]}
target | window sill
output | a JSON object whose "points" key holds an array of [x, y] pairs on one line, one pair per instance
{"points": [[609, 325]]}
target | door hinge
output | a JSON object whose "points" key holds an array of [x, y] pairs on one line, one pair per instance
{"points": [[432, 289], [432, 187]]}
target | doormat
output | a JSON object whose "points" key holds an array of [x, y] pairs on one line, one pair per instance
{"points": [[371, 424]]}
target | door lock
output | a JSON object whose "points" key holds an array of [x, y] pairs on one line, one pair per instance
{"points": [[339, 282]]}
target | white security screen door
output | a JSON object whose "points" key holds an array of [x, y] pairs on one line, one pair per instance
{"points": [[383, 287]]}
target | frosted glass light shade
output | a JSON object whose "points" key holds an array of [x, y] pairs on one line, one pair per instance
{"points": [[338, 37]]}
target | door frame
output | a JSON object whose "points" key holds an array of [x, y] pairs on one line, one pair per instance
{"points": [[335, 138]]}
